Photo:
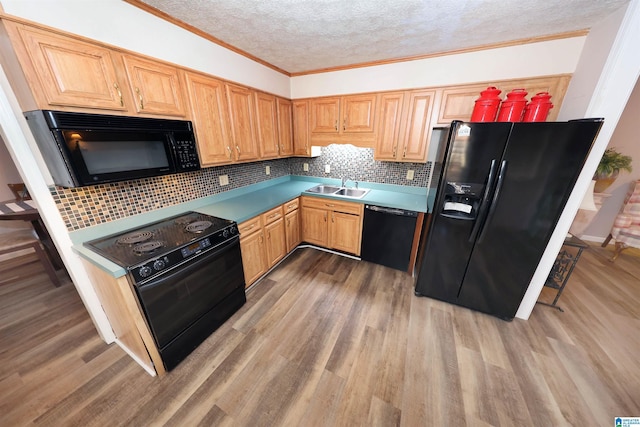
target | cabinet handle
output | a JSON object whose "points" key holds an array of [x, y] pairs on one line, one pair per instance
{"points": [[404, 152], [330, 205], [336, 125], [395, 150], [325, 217], [230, 152], [238, 149], [344, 124], [261, 239], [333, 217], [290, 206], [273, 215], [141, 100], [119, 94]]}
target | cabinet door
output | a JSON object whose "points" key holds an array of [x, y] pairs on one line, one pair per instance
{"points": [[254, 260], [358, 113], [243, 123], [276, 242], [389, 126], [292, 229], [71, 73], [267, 125], [285, 127], [344, 232], [209, 115], [156, 87], [301, 128], [325, 115], [416, 126], [314, 226]]}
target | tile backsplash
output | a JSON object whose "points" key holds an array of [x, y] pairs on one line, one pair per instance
{"points": [[88, 206]]}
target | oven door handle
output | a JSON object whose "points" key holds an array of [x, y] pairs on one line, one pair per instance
{"points": [[180, 271]]}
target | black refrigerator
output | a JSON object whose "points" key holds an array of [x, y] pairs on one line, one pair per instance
{"points": [[500, 194]]}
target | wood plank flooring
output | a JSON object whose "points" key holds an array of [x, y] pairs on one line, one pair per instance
{"points": [[330, 341]]}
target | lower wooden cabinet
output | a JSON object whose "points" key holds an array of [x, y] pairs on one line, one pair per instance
{"points": [[332, 224], [275, 240], [267, 238], [292, 224], [252, 246]]}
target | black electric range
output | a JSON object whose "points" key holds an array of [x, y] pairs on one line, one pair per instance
{"points": [[187, 274]]}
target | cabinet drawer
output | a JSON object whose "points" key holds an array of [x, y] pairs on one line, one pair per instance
{"points": [[250, 226], [291, 205], [273, 215], [333, 205]]}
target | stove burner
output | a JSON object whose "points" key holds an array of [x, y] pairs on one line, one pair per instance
{"points": [[198, 226], [135, 237], [147, 247], [183, 220]]}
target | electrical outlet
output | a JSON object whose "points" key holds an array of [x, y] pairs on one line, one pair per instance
{"points": [[267, 170], [305, 167], [410, 173], [223, 179], [327, 169]]}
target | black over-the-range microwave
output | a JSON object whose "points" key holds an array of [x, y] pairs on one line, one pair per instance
{"points": [[87, 149]]}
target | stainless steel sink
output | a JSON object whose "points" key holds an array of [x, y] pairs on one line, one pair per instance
{"points": [[356, 193], [323, 189], [353, 193]]}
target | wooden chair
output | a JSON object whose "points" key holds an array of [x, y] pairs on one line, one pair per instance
{"points": [[26, 239]]}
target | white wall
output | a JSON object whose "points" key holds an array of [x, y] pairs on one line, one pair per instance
{"points": [[529, 60], [614, 52], [121, 24], [626, 140]]}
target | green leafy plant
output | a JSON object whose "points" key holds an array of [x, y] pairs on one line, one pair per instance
{"points": [[612, 162]]}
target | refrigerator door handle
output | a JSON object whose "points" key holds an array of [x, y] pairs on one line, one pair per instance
{"points": [[485, 201], [494, 200]]}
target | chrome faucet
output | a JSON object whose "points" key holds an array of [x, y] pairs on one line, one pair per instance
{"points": [[345, 179]]}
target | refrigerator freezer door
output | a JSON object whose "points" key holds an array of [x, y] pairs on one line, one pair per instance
{"points": [[472, 148], [543, 162]]}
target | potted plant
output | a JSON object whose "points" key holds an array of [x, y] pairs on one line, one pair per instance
{"points": [[609, 167]]}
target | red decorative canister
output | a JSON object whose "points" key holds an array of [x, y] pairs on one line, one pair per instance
{"points": [[512, 108], [486, 107], [538, 108]]}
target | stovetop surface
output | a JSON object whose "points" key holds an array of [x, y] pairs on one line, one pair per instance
{"points": [[137, 245]]}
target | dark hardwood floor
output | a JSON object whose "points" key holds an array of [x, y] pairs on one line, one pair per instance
{"points": [[329, 341]]}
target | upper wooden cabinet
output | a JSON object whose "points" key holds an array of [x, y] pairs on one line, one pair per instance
{"points": [[457, 102], [285, 127], [156, 87], [404, 126], [243, 122], [300, 114], [267, 125], [345, 119], [66, 72], [389, 116], [210, 119]]}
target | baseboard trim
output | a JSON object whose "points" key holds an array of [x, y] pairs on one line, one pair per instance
{"points": [[596, 239]]}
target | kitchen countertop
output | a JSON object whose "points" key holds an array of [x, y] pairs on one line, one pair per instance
{"points": [[244, 203]]}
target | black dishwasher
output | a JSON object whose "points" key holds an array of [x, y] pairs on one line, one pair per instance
{"points": [[387, 236]]}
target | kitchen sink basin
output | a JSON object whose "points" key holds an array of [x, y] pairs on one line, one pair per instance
{"points": [[323, 189], [354, 193], [351, 192]]}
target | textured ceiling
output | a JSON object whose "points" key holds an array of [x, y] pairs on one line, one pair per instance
{"points": [[305, 35]]}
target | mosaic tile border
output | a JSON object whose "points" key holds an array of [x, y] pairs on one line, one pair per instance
{"points": [[93, 205]]}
